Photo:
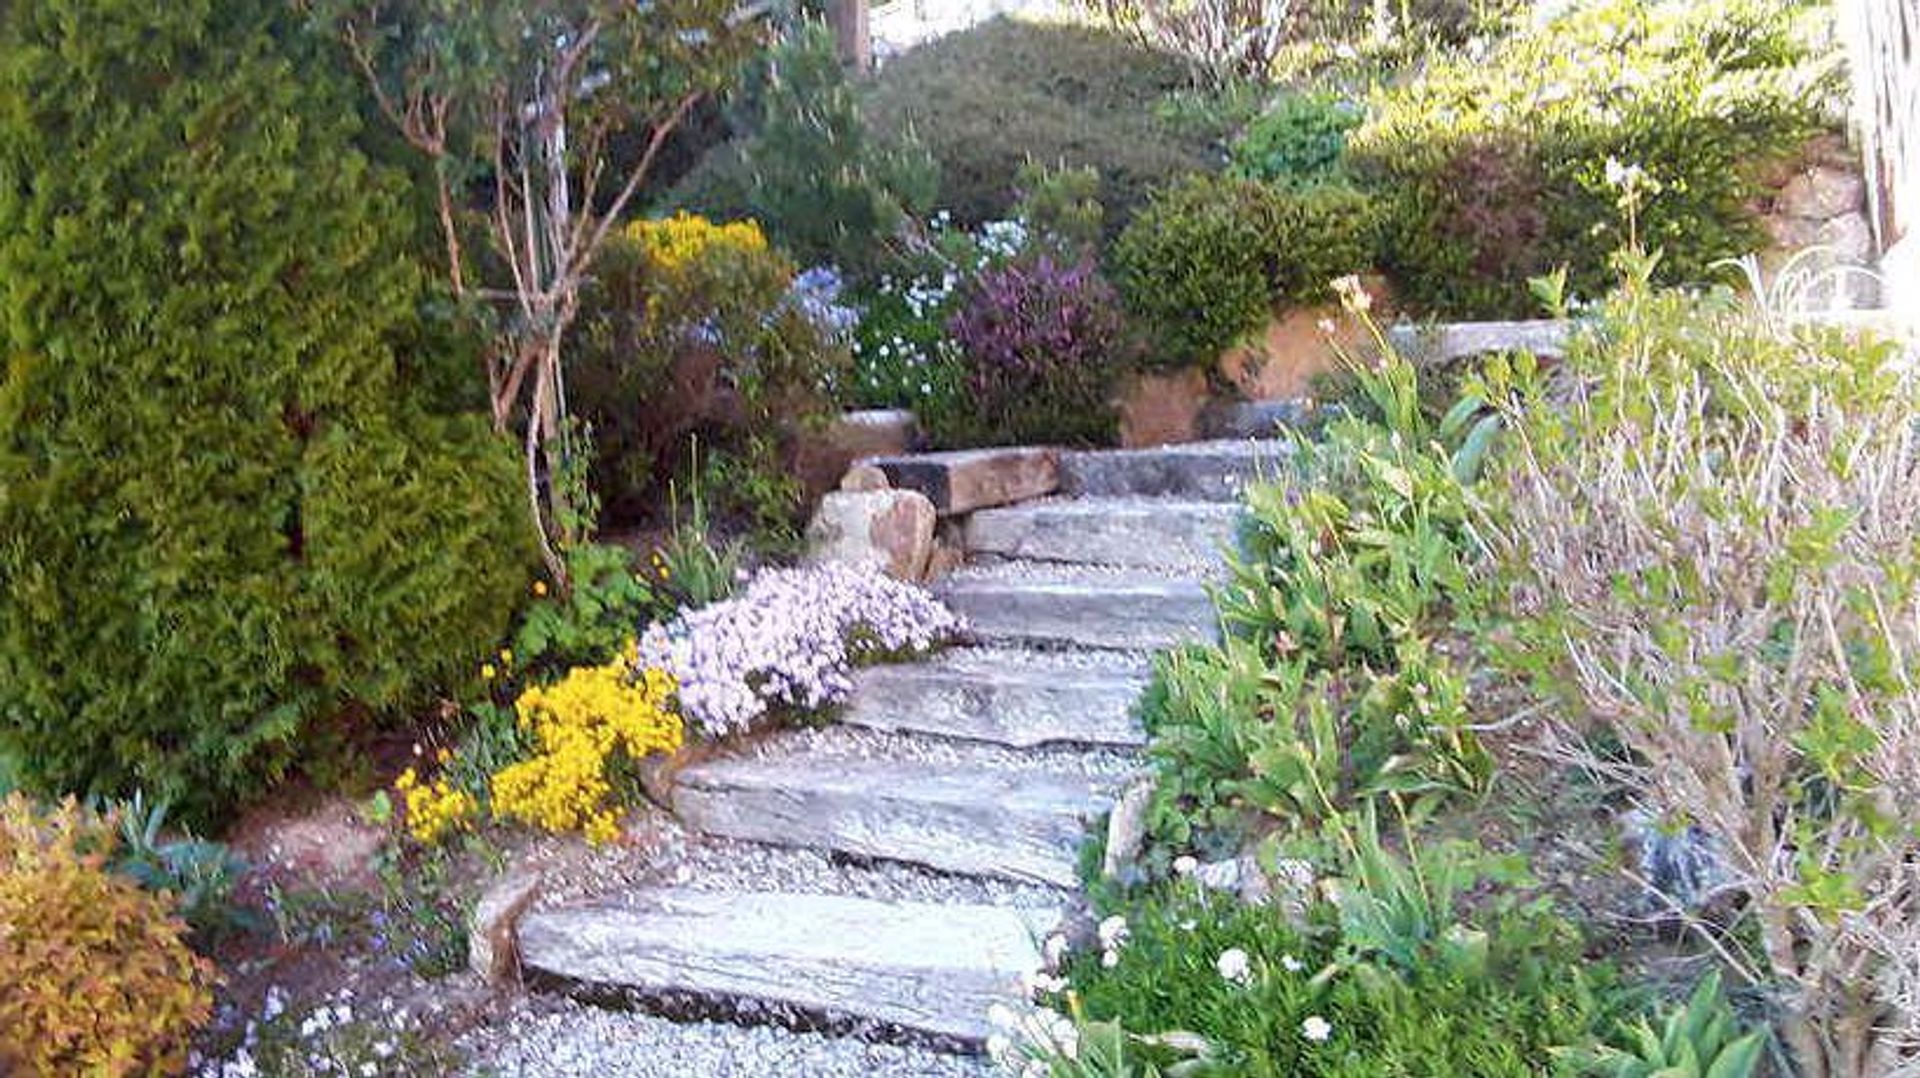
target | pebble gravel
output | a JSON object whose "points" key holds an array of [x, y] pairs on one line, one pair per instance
{"points": [[564, 1040]]}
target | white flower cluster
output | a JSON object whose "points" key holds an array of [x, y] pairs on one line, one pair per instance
{"points": [[1025, 1043], [327, 1038], [790, 638]]}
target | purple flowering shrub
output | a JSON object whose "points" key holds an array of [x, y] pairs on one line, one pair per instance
{"points": [[789, 639], [1043, 341]]}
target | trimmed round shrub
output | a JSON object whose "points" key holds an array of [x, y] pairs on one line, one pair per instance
{"points": [[1041, 342], [986, 101], [1208, 259], [226, 514], [1496, 165], [99, 978]]}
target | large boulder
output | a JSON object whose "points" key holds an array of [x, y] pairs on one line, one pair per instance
{"points": [[891, 530]]}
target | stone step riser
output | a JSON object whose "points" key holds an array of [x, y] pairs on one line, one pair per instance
{"points": [[1017, 710], [1216, 472], [1017, 826], [1149, 536], [924, 969], [1130, 619]]}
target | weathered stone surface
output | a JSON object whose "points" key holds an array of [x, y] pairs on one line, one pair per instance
{"points": [[891, 530], [1161, 409], [864, 478], [1023, 825], [1147, 533], [820, 457], [491, 951], [1209, 471], [960, 482], [1438, 344], [1005, 697], [930, 969], [1821, 193], [1123, 609], [1126, 830], [1281, 360], [1252, 419]]}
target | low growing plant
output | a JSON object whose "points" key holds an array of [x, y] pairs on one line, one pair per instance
{"points": [[99, 977], [788, 640]]}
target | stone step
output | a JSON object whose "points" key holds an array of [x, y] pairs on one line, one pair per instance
{"points": [[1007, 696], [927, 969], [959, 816], [1210, 471], [964, 480], [1138, 532], [1132, 609]]}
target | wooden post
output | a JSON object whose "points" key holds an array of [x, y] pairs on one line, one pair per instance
{"points": [[849, 21]]}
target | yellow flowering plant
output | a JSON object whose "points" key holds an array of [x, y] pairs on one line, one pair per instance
{"points": [[436, 808], [585, 729]]}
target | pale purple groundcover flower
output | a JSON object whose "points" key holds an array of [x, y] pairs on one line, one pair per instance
{"points": [[789, 639]]}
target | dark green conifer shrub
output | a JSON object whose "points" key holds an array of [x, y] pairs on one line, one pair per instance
{"points": [[226, 512]]}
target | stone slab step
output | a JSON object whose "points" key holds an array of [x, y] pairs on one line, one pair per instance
{"points": [[969, 479], [1443, 343], [931, 969], [1138, 532], [978, 820], [1130, 609], [1007, 697], [1211, 471]]}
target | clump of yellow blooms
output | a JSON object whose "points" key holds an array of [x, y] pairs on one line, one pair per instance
{"points": [[685, 239], [434, 808], [581, 726]]}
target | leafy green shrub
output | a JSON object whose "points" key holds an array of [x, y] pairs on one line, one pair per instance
{"points": [[1301, 139], [692, 330], [808, 166], [227, 514], [1209, 257], [986, 101], [1193, 265], [99, 979], [1497, 165]]}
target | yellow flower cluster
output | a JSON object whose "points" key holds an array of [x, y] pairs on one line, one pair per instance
{"points": [[433, 808], [685, 239], [581, 725]]}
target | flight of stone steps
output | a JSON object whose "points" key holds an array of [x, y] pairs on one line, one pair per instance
{"points": [[987, 761]]}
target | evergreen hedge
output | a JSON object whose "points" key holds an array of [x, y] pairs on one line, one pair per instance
{"points": [[228, 516]]}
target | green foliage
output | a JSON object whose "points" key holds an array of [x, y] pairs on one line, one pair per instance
{"points": [[1496, 164], [987, 101], [1060, 208], [691, 334], [199, 875], [1369, 543], [1301, 139], [1701, 1039], [225, 513], [1209, 257], [99, 977], [1210, 989], [808, 166], [1243, 745], [608, 602]]}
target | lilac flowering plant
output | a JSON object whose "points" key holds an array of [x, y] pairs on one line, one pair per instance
{"points": [[789, 639], [1043, 340]]}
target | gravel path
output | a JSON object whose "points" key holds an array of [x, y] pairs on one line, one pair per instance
{"points": [[564, 1040]]}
